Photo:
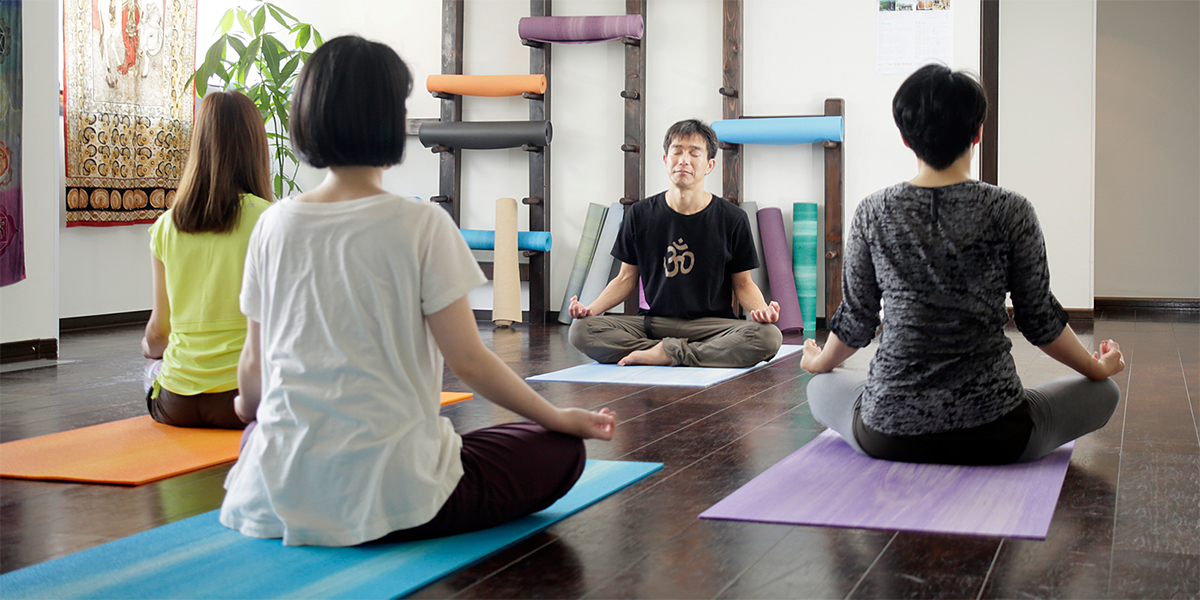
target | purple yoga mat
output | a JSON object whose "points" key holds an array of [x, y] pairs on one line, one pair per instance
{"points": [[779, 268], [580, 30], [827, 483]]}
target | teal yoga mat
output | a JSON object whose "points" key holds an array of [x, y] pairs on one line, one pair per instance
{"points": [[592, 224], [484, 239], [779, 131], [804, 260], [198, 558]]}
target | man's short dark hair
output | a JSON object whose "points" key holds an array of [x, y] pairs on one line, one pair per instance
{"points": [[348, 107], [688, 128], [939, 112]]}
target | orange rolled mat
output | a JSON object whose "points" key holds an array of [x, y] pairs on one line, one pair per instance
{"points": [[449, 398], [127, 452], [486, 85]]}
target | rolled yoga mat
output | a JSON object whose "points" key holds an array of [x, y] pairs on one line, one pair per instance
{"points": [[759, 275], [506, 276], [779, 268], [827, 483], [486, 85], [482, 239], [580, 30], [804, 260], [779, 131], [485, 135], [583, 258], [599, 274], [198, 558]]}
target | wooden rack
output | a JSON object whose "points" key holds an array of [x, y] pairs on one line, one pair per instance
{"points": [[731, 157]]}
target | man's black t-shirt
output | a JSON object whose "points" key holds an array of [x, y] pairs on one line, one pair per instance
{"points": [[686, 262]]}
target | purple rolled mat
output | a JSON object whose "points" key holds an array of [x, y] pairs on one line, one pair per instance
{"points": [[580, 30], [779, 268]]}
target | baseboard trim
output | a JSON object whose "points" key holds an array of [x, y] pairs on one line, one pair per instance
{"points": [[39, 349], [1152, 304], [108, 320]]}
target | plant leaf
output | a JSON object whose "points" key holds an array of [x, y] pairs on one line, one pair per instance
{"points": [[260, 20], [303, 35], [226, 22], [277, 16], [276, 7], [244, 20]]}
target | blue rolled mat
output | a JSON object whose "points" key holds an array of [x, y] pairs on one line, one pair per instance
{"points": [[485, 135], [779, 131], [484, 239], [804, 260]]}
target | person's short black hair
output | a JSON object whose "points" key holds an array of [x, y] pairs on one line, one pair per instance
{"points": [[348, 107], [688, 128], [939, 112]]}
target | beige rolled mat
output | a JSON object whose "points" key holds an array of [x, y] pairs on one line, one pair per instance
{"points": [[506, 276]]}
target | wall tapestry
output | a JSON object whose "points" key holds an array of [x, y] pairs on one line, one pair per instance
{"points": [[128, 114], [12, 234]]}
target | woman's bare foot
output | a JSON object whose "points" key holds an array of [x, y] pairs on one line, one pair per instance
{"points": [[652, 356]]}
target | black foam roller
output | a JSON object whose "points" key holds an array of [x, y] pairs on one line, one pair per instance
{"points": [[485, 135]]}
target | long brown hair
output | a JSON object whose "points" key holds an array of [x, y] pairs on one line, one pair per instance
{"points": [[228, 158]]}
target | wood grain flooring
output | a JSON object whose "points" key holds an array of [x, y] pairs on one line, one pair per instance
{"points": [[1127, 523]]}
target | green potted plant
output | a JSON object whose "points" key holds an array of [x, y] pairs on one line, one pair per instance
{"points": [[253, 59]]}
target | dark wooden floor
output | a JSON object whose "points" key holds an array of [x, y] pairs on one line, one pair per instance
{"points": [[1127, 523]]}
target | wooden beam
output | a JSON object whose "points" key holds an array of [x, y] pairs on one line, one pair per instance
{"points": [[731, 98], [539, 177], [989, 74], [635, 125], [835, 175], [450, 173]]}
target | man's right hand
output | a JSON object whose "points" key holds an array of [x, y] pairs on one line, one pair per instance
{"points": [[577, 310]]}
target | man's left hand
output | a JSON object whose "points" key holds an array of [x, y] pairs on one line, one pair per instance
{"points": [[770, 314]]}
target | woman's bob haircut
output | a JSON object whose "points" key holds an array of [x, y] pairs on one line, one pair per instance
{"points": [[348, 107]]}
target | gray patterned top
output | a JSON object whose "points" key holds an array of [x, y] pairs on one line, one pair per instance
{"points": [[941, 261]]}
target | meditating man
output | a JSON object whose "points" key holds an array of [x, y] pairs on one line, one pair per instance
{"points": [[694, 252]]}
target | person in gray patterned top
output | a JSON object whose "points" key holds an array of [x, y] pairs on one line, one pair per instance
{"points": [[939, 254]]}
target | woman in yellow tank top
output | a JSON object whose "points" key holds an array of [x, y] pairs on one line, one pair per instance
{"points": [[199, 250]]}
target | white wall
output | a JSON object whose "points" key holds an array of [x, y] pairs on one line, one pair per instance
{"points": [[29, 309], [1046, 135], [797, 53], [1148, 149]]}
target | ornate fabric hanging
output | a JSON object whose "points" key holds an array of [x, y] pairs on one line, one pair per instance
{"points": [[12, 234], [128, 114]]}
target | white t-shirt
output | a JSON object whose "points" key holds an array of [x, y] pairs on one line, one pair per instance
{"points": [[349, 444]]}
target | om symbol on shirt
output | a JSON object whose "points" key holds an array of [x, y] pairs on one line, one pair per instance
{"points": [[678, 259]]}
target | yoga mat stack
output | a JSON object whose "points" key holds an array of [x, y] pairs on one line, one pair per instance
{"points": [[804, 260], [779, 131], [486, 85], [482, 239], [486, 135], [759, 275], [779, 269], [600, 272], [580, 30], [592, 225], [506, 278]]}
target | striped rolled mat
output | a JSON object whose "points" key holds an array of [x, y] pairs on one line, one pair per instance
{"points": [[804, 260], [583, 258]]}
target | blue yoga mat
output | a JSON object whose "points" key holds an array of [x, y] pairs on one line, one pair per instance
{"points": [[654, 375], [198, 558], [484, 239], [779, 131]]}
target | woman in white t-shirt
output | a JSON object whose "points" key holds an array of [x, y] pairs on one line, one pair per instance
{"points": [[352, 297]]}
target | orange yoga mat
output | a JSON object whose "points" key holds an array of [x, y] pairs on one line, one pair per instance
{"points": [[486, 85], [127, 452]]}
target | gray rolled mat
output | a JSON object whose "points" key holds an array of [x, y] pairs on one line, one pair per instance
{"points": [[485, 135]]}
